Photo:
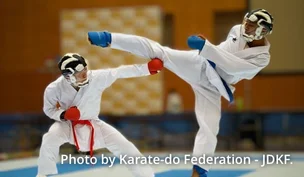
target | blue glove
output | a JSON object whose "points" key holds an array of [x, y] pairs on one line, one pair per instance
{"points": [[100, 38], [196, 42]]}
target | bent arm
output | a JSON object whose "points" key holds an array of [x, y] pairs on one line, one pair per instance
{"points": [[50, 104], [228, 62]]}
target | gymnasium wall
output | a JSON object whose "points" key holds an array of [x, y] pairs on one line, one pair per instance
{"points": [[30, 31], [287, 37], [140, 95], [31, 34]]}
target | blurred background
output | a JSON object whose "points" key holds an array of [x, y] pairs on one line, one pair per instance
{"points": [[268, 114]]}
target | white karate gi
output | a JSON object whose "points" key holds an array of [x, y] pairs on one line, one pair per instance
{"points": [[87, 99], [233, 64]]}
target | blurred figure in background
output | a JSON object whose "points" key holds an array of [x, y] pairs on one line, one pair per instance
{"points": [[210, 70], [78, 92], [174, 102]]}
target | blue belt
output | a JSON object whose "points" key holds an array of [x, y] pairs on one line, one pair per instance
{"points": [[231, 99]]}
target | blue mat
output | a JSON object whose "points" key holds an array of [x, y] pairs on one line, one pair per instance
{"points": [[66, 168], [213, 173]]}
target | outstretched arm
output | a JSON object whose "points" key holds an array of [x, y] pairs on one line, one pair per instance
{"points": [[130, 71]]}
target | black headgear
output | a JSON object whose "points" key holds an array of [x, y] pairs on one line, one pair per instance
{"points": [[263, 19], [71, 63]]}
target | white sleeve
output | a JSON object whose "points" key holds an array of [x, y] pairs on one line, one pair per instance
{"points": [[225, 44], [50, 104], [125, 71], [228, 62]]}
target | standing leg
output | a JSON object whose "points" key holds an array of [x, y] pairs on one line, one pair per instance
{"points": [[208, 116], [57, 135], [116, 143]]}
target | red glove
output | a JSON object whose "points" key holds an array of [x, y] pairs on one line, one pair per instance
{"points": [[155, 66], [72, 113]]}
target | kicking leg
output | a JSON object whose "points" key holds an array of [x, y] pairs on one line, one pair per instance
{"points": [[186, 64]]}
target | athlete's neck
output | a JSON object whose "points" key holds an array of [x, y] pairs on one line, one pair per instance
{"points": [[76, 87], [257, 43]]}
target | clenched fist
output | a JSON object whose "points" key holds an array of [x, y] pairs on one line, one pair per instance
{"points": [[72, 113], [155, 66]]}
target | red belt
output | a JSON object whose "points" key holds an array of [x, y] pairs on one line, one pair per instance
{"points": [[84, 122]]}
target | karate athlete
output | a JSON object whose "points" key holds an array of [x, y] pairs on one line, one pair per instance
{"points": [[78, 92], [210, 70]]}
